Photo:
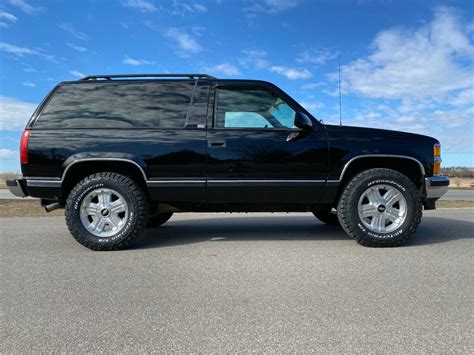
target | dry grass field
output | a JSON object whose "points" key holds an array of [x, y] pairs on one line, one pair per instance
{"points": [[461, 183]]}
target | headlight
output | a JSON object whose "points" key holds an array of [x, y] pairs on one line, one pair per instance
{"points": [[437, 159]]}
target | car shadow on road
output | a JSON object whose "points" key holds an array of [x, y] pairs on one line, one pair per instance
{"points": [[177, 232], [433, 230]]}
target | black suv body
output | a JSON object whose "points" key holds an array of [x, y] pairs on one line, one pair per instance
{"points": [[188, 143]]}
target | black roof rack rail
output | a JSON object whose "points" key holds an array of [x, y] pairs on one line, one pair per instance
{"points": [[117, 76]]}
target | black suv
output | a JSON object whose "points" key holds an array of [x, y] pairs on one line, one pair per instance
{"points": [[124, 152]]}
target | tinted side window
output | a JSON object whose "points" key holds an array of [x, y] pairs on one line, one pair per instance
{"points": [[252, 108], [118, 105]]}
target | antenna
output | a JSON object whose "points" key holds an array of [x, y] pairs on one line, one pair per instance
{"points": [[340, 98]]}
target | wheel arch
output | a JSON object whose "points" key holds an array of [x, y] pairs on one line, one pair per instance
{"points": [[408, 166], [82, 167]]}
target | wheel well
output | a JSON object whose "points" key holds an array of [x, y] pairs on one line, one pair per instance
{"points": [[80, 170], [407, 167]]}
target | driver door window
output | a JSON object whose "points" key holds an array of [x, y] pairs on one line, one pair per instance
{"points": [[252, 108]]}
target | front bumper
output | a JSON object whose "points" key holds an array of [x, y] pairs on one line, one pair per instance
{"points": [[17, 187], [436, 186]]}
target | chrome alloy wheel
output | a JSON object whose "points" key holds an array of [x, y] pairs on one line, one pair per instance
{"points": [[104, 212], [382, 208]]}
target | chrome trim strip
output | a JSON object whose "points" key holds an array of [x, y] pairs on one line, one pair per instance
{"points": [[43, 183], [217, 182], [267, 181], [103, 159], [422, 168], [47, 178], [264, 183], [47, 182], [175, 183]]}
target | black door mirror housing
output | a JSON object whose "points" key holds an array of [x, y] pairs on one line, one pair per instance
{"points": [[303, 122]]}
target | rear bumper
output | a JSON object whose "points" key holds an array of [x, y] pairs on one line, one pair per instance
{"points": [[436, 186], [17, 187]]}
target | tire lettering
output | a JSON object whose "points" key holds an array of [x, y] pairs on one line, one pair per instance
{"points": [[79, 198]]}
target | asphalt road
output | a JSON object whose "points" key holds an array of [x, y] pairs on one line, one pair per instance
{"points": [[450, 195], [229, 283]]}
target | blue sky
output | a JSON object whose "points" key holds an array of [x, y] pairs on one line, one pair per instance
{"points": [[405, 65]]}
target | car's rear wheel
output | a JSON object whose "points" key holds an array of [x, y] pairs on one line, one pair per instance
{"points": [[327, 216], [380, 208], [106, 211], [158, 219]]}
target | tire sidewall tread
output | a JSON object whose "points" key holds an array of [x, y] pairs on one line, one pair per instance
{"points": [[348, 208], [137, 204]]}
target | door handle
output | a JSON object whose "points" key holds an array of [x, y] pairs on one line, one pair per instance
{"points": [[216, 143]]}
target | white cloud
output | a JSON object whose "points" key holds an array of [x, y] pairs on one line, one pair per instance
{"points": [[8, 16], [141, 5], [417, 80], [187, 45], [269, 6], [180, 8], [135, 62], [310, 86], [454, 128], [23, 51], [4, 25], [77, 74], [316, 56], [255, 58], [414, 63], [14, 113], [199, 8], [70, 28], [225, 69], [312, 106], [19, 51], [464, 97], [8, 154], [29, 69], [28, 84], [24, 6], [198, 30], [76, 47], [291, 73]]}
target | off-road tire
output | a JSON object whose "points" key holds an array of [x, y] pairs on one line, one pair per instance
{"points": [[327, 216], [348, 212], [158, 219], [137, 207]]}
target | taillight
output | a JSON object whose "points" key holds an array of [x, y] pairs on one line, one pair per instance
{"points": [[437, 159], [24, 146]]}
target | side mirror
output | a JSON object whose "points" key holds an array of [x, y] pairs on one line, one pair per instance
{"points": [[303, 122]]}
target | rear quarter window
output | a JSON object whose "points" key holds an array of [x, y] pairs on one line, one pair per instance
{"points": [[118, 105]]}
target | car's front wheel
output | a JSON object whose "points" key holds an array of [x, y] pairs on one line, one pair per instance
{"points": [[380, 208], [106, 211]]}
